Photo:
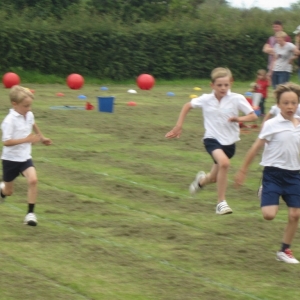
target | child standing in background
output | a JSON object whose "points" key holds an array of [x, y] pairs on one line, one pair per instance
{"points": [[261, 86]]}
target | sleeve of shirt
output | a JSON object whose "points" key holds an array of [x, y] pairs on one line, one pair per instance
{"points": [[243, 105], [7, 130], [266, 132], [298, 110], [292, 46], [198, 102], [273, 110]]}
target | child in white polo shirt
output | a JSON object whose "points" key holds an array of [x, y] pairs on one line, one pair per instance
{"points": [[274, 111], [221, 121], [17, 138], [280, 138]]}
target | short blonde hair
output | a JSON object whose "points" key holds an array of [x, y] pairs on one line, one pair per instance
{"points": [[281, 34], [262, 72], [287, 87], [18, 93], [219, 73]]}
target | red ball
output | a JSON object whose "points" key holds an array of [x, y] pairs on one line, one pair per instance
{"points": [[75, 81], [145, 81], [10, 79]]}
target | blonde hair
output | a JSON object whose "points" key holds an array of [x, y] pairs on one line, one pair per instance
{"points": [[219, 73], [18, 93], [280, 34], [287, 87], [262, 72]]}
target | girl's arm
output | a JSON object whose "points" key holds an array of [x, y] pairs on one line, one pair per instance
{"points": [[176, 131], [241, 174]]}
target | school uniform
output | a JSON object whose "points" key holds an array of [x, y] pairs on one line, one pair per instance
{"points": [[281, 161], [219, 132], [16, 159]]}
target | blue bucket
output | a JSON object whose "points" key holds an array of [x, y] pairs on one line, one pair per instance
{"points": [[106, 104]]}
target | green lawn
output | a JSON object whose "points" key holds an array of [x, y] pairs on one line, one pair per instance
{"points": [[116, 220]]}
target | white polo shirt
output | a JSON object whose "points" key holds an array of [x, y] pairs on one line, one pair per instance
{"points": [[16, 126], [282, 149], [216, 114]]}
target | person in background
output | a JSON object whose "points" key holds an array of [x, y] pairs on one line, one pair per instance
{"points": [[297, 43], [269, 45], [283, 55], [261, 86]]}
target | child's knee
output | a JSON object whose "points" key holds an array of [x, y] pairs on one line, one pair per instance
{"points": [[224, 164], [33, 181], [8, 192], [294, 215], [269, 215]]}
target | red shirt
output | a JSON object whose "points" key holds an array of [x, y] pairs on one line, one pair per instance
{"points": [[262, 87]]}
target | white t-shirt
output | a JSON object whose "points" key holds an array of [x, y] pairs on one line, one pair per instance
{"points": [[275, 110], [282, 149], [283, 56], [16, 126], [216, 114]]}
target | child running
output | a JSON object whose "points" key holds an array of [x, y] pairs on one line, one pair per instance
{"points": [[17, 138], [280, 138], [221, 121]]}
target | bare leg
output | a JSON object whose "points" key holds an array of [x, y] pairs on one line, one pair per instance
{"points": [[223, 166], [31, 177], [210, 177], [269, 212], [291, 226]]}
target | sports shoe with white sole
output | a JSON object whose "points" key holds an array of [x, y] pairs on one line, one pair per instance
{"points": [[2, 185], [259, 191], [287, 256], [223, 208], [194, 186], [30, 219]]}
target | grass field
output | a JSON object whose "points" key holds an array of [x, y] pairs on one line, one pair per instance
{"points": [[115, 217]]}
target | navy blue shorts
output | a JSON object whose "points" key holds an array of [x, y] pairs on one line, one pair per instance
{"points": [[212, 144], [278, 182], [12, 169]]}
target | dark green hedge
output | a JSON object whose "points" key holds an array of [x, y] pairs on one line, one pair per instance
{"points": [[163, 52]]}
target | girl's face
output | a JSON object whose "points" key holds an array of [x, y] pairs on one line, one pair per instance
{"points": [[221, 86], [288, 104], [23, 107]]}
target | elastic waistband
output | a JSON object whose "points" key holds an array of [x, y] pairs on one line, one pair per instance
{"points": [[274, 169]]}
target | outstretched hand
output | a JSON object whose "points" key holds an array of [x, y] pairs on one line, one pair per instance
{"points": [[46, 141], [239, 179], [174, 133]]}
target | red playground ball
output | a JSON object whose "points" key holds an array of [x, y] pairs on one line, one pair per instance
{"points": [[145, 81], [10, 79], [75, 81]]}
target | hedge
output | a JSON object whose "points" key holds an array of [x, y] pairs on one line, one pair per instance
{"points": [[167, 53]]}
